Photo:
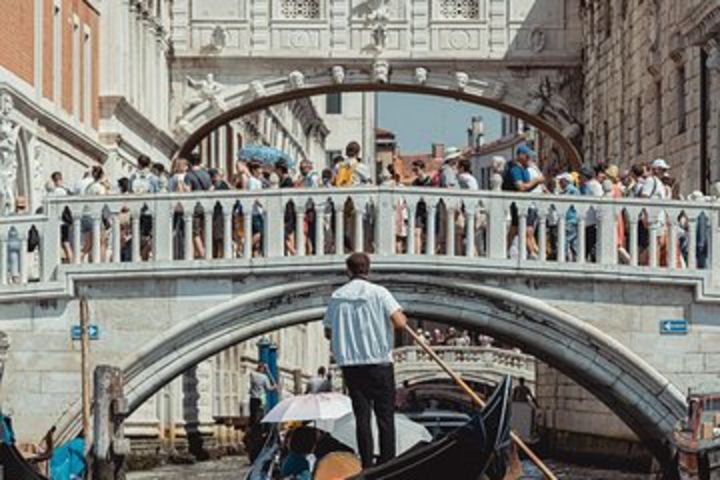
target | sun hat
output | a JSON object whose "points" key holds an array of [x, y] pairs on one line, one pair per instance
{"points": [[452, 153], [660, 163], [612, 171]]}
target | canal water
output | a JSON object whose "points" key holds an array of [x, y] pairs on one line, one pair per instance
{"points": [[234, 468]]}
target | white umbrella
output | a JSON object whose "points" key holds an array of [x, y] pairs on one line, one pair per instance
{"points": [[312, 407], [407, 432]]}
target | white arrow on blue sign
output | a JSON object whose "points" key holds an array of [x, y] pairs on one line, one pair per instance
{"points": [[673, 327], [93, 332]]}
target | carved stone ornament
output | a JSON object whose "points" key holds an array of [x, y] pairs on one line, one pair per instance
{"points": [[205, 90], [9, 132], [421, 75], [497, 91], [296, 79], [537, 40], [218, 40], [381, 71], [4, 347], [462, 79], [338, 74], [257, 89], [713, 57]]}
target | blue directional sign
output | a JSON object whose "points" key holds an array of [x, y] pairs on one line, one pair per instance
{"points": [[673, 327], [93, 332]]}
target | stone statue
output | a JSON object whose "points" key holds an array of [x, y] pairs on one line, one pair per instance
{"points": [[421, 75], [338, 74], [497, 168], [376, 20], [207, 89], [218, 40], [257, 89], [544, 102], [537, 40], [462, 79], [9, 132], [381, 71], [713, 57], [296, 79]]}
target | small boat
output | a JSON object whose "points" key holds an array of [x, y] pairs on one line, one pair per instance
{"points": [[697, 439], [480, 447]]}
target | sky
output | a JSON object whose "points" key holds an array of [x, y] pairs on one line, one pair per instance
{"points": [[421, 120]]}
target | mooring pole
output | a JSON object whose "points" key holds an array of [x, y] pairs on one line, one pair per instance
{"points": [[85, 367]]}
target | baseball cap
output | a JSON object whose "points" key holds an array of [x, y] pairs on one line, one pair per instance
{"points": [[660, 163], [586, 172], [525, 150], [566, 176]]}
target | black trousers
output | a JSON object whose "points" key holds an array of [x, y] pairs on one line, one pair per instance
{"points": [[372, 388], [256, 410]]}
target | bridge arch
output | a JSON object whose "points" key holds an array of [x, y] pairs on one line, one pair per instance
{"points": [[540, 105], [645, 400]]}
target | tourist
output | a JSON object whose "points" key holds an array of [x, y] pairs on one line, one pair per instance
{"points": [[327, 178], [197, 179], [654, 189], [567, 187], [590, 186], [448, 171], [258, 222], [176, 182], [158, 169], [98, 186], [260, 385], [319, 383], [422, 179], [466, 180], [82, 184], [308, 177], [242, 175], [217, 178], [522, 393], [359, 321], [360, 171], [143, 180], [517, 179], [56, 188], [402, 397]]}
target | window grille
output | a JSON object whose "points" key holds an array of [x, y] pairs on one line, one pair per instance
{"points": [[460, 9], [300, 9]]}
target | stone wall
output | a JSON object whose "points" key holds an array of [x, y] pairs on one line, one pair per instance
{"points": [[643, 89]]}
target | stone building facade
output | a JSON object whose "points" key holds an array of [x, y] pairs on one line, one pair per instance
{"points": [[651, 87]]}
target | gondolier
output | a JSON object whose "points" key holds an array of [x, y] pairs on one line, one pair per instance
{"points": [[359, 322]]}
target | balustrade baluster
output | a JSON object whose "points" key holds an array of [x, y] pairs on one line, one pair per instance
{"points": [[162, 228], [692, 242], [497, 231], [50, 241], [450, 230], [653, 249], [96, 232], [522, 233], [358, 242], [672, 250], [430, 227], [116, 240], [582, 250], [23, 259], [136, 240], [411, 246], [299, 230], [4, 258], [188, 252], [208, 214], [247, 230], [77, 237], [562, 247], [319, 228], [339, 228], [542, 223], [469, 231], [227, 213], [634, 224]]}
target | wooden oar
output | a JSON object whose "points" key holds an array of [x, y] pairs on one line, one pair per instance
{"points": [[461, 383]]}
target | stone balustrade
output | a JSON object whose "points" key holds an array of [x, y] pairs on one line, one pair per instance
{"points": [[145, 234]]}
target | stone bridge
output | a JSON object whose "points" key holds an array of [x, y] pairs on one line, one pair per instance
{"points": [[161, 311]]}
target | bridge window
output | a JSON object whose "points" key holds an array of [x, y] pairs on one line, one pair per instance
{"points": [[460, 9], [300, 9], [333, 103]]}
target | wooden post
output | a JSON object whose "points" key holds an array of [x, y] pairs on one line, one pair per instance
{"points": [[109, 444], [85, 366]]}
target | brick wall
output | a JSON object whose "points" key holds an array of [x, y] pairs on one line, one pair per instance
{"points": [[16, 38], [48, 46], [628, 53]]}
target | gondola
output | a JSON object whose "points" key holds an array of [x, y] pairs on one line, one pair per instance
{"points": [[14, 465], [480, 447]]}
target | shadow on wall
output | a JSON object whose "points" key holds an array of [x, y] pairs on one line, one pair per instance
{"points": [[191, 414]]}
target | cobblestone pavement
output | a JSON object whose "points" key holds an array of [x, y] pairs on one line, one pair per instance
{"points": [[225, 469]]}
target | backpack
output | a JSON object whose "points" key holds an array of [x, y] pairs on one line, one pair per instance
{"points": [[344, 177], [508, 184], [141, 182]]}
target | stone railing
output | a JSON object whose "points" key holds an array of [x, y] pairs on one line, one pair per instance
{"points": [[472, 362], [169, 232]]}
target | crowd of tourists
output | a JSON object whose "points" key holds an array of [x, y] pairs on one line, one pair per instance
{"points": [[522, 174]]}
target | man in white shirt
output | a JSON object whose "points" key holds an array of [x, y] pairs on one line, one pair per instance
{"points": [[260, 384], [319, 383], [359, 322]]}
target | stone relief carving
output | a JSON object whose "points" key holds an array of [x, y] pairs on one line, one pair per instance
{"points": [[377, 20], [9, 133], [218, 40], [205, 90], [713, 51], [462, 79], [421, 75], [296, 79], [381, 71], [547, 103], [257, 89], [338, 74]]}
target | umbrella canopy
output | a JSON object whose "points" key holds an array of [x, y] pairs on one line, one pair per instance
{"points": [[312, 407], [407, 433], [267, 155]]}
